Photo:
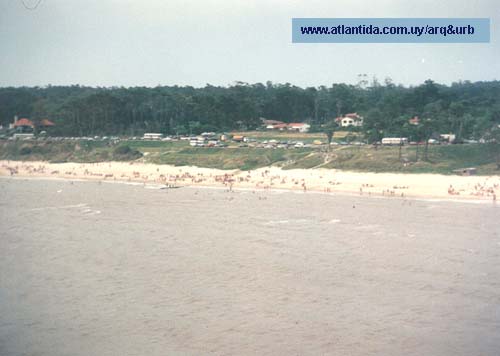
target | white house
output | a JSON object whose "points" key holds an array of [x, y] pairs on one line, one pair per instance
{"points": [[299, 126], [352, 119], [448, 137]]}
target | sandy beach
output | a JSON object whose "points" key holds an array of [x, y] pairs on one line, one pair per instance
{"points": [[319, 180]]}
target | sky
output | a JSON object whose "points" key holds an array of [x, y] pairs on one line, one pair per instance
{"points": [[219, 42]]}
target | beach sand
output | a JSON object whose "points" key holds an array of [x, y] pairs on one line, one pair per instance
{"points": [[320, 180]]}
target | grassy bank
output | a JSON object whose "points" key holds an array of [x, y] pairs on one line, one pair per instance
{"points": [[305, 137], [67, 151], [441, 159]]}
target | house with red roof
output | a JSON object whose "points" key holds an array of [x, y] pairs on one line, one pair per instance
{"points": [[414, 121], [22, 125], [25, 125], [299, 127], [266, 122], [281, 127], [351, 119], [46, 123], [272, 124]]}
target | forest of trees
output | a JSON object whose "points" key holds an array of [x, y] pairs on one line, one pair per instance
{"points": [[466, 109]]}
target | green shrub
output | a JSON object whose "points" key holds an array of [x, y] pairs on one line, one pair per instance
{"points": [[124, 152], [25, 150]]}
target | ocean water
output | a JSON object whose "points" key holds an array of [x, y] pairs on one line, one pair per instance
{"points": [[115, 269]]}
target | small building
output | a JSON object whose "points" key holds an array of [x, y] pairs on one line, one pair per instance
{"points": [[23, 125], [294, 126], [414, 121], [270, 123], [299, 127], [466, 171], [45, 124], [152, 136], [394, 141], [450, 138], [279, 127], [352, 119]]}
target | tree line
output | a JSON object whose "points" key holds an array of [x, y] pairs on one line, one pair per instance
{"points": [[466, 109]]}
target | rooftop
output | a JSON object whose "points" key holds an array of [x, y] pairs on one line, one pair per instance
{"points": [[23, 122]]}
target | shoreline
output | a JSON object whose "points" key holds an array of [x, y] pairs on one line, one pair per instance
{"points": [[338, 193], [391, 185]]}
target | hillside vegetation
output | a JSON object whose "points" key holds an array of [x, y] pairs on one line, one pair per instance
{"points": [[441, 159]]}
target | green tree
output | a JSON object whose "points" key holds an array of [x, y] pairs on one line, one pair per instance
{"points": [[427, 129], [329, 130], [493, 139], [464, 108]]}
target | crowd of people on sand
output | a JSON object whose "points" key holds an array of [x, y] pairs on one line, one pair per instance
{"points": [[259, 179], [478, 190], [482, 190]]}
